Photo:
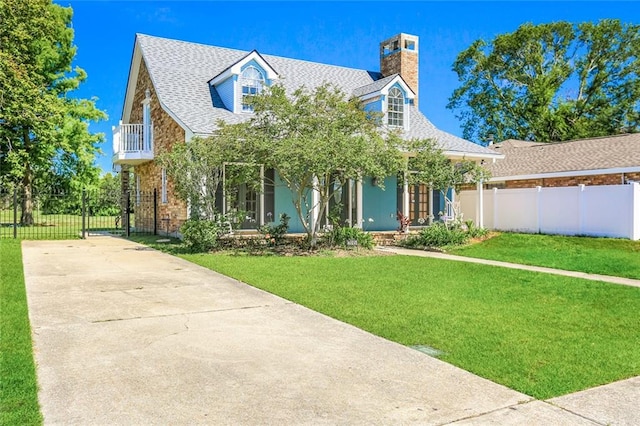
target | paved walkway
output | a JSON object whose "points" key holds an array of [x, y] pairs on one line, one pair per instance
{"points": [[127, 335], [574, 274]]}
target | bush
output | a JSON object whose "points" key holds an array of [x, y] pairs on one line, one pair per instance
{"points": [[274, 234], [200, 235], [473, 231], [438, 235], [339, 236]]}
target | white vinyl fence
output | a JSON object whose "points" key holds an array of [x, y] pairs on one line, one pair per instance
{"points": [[604, 211]]}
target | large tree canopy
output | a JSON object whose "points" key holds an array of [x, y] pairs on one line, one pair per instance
{"points": [[44, 134], [318, 140], [550, 82]]}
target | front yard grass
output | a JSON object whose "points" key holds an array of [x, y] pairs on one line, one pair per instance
{"points": [[606, 256], [18, 385], [543, 335]]}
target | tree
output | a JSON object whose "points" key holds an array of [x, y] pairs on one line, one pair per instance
{"points": [[429, 166], [550, 82], [317, 140], [44, 133], [196, 168]]}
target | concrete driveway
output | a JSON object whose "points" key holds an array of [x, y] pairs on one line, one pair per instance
{"points": [[127, 335]]}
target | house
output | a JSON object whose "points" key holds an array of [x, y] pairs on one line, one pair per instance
{"points": [[177, 90], [579, 187], [608, 160]]}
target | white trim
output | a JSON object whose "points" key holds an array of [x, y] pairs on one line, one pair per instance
{"points": [[472, 155], [132, 82], [236, 69], [359, 212], [261, 206], [384, 91], [616, 170], [405, 196], [134, 72], [480, 205]]}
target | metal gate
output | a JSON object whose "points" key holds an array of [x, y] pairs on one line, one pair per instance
{"points": [[54, 214]]}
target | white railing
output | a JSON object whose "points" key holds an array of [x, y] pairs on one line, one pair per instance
{"points": [[132, 138], [451, 210]]}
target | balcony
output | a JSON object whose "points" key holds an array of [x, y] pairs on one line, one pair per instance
{"points": [[132, 144]]}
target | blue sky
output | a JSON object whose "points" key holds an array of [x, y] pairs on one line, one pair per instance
{"points": [[338, 33]]}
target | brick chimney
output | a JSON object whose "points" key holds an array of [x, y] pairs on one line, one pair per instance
{"points": [[399, 55]]}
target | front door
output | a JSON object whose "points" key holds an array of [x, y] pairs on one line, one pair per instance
{"points": [[419, 205]]}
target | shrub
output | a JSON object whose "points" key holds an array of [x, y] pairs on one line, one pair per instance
{"points": [[274, 234], [200, 235], [473, 231], [438, 235], [339, 236]]}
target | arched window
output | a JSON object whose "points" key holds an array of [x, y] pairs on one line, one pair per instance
{"points": [[251, 81], [395, 108]]}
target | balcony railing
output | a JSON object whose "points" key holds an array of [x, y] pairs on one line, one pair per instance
{"points": [[132, 143]]}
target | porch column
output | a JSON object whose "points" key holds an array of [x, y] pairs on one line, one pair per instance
{"points": [[359, 212], [480, 205], [405, 196], [430, 216], [315, 204], [261, 207], [224, 190]]}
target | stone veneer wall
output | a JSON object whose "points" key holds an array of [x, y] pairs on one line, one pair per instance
{"points": [[166, 132], [403, 62]]}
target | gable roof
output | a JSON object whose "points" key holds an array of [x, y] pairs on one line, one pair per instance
{"points": [[524, 158], [235, 67], [180, 72], [379, 85]]}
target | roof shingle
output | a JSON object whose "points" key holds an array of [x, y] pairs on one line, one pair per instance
{"points": [[181, 70], [529, 158]]}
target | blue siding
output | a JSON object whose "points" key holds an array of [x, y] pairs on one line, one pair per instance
{"points": [[225, 90], [283, 203], [380, 205], [374, 106]]}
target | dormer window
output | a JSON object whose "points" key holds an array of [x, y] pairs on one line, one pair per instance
{"points": [[251, 81], [395, 108]]}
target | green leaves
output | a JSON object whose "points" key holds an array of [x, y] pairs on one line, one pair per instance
{"points": [[44, 134], [315, 138], [550, 82], [428, 165]]}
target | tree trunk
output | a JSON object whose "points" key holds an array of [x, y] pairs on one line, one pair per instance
{"points": [[26, 219]]}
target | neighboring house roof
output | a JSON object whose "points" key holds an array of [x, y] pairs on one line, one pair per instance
{"points": [[180, 72], [527, 159]]}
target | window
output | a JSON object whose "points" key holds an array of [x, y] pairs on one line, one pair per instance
{"points": [[163, 191], [251, 81], [137, 189], [395, 108]]}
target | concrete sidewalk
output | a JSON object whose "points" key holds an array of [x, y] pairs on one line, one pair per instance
{"points": [[124, 334], [574, 274]]}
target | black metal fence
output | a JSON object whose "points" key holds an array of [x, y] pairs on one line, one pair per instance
{"points": [[54, 214]]}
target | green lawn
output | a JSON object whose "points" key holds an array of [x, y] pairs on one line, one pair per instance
{"points": [[606, 256], [18, 386], [540, 334], [54, 226]]}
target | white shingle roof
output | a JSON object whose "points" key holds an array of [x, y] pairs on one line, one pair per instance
{"points": [[180, 72], [373, 87]]}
